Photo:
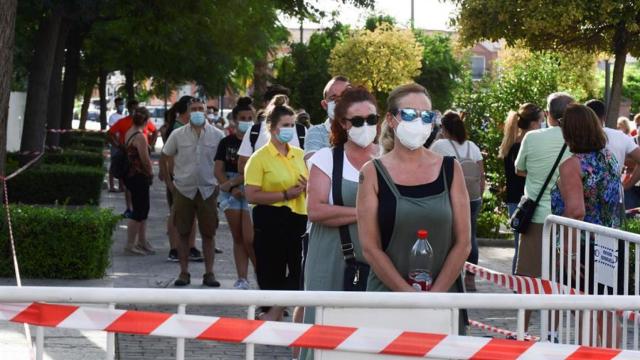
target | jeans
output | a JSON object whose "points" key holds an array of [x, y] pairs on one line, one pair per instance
{"points": [[476, 206], [511, 207]]}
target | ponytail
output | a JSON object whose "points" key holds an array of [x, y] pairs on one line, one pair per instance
{"points": [[511, 133]]}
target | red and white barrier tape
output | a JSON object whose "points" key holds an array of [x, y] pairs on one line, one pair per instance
{"points": [[342, 338], [62, 131], [500, 331]]}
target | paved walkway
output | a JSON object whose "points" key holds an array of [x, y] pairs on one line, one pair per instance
{"points": [[155, 271]]}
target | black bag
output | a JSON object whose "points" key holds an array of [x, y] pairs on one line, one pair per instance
{"points": [[119, 166], [521, 218], [355, 272]]}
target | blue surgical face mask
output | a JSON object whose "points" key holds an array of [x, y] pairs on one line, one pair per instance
{"points": [[243, 126], [285, 134], [120, 109], [197, 118]]}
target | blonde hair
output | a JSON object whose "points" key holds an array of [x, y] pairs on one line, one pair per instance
{"points": [[517, 123], [387, 136], [626, 124], [277, 108]]}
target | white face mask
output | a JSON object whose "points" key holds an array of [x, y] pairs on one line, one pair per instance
{"points": [[364, 135], [331, 109], [413, 134]]}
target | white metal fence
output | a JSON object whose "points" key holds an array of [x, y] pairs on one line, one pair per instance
{"points": [[591, 259], [183, 298]]}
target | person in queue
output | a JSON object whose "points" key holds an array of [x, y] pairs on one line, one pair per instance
{"points": [[232, 200], [138, 181], [528, 117], [353, 132], [318, 135], [113, 119], [275, 182], [455, 143], [194, 187], [176, 117], [393, 203]]}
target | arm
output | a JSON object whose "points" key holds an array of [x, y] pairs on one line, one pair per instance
{"points": [[112, 138], [242, 163], [312, 143], [461, 233], [164, 166], [318, 207], [369, 232], [571, 189], [635, 175], [253, 186], [521, 159], [220, 174]]}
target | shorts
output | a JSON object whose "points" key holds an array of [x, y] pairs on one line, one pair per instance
{"points": [[139, 185], [186, 210], [529, 261], [230, 202]]}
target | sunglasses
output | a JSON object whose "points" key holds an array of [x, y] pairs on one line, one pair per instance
{"points": [[427, 116], [358, 121]]}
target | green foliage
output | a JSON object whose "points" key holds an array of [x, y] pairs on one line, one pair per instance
{"points": [[491, 216], [75, 157], [58, 243], [380, 59], [441, 70], [93, 138], [373, 22], [55, 183], [306, 70]]}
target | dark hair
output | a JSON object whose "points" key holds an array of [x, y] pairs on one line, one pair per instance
{"points": [[274, 90], [598, 107], [179, 107], [582, 130], [528, 113], [244, 104], [453, 124], [277, 108], [118, 99], [349, 97], [557, 104], [140, 116], [133, 103], [402, 91]]}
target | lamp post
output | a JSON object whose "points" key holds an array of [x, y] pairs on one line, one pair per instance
{"points": [[412, 15]]}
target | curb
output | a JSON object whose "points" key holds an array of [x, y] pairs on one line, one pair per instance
{"points": [[503, 243]]}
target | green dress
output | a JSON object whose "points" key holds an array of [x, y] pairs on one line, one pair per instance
{"points": [[432, 213]]}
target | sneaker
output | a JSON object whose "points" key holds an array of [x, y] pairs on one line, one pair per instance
{"points": [[241, 284], [209, 280], [183, 279], [218, 251], [127, 214], [195, 255], [173, 255]]}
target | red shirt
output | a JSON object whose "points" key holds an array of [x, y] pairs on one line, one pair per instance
{"points": [[123, 125]]}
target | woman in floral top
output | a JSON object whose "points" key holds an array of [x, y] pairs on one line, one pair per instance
{"points": [[588, 188]]}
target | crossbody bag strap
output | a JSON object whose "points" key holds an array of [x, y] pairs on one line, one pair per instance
{"points": [[455, 150], [336, 189], [131, 137], [553, 169]]}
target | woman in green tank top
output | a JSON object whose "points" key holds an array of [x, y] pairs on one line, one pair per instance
{"points": [[411, 188]]}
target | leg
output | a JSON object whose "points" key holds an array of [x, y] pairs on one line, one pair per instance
{"points": [[511, 207], [240, 256], [111, 187], [470, 278], [207, 214], [184, 209], [247, 236], [127, 199], [529, 262]]}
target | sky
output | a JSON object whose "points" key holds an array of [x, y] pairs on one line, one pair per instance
{"points": [[429, 14]]}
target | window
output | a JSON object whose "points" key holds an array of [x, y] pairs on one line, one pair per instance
{"points": [[477, 67]]}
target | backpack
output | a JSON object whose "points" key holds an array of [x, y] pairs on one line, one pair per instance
{"points": [[255, 133], [472, 172], [120, 161]]}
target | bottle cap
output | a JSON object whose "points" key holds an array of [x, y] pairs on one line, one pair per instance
{"points": [[422, 234]]}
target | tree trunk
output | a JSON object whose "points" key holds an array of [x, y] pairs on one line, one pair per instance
{"points": [[33, 132], [7, 32], [260, 78], [618, 77], [86, 100], [102, 89], [55, 87], [71, 72], [130, 83]]}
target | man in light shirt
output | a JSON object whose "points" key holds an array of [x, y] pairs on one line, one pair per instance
{"points": [[194, 187], [318, 135]]}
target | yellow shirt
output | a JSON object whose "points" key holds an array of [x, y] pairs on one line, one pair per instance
{"points": [[274, 172]]}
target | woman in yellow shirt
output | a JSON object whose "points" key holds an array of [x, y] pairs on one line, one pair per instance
{"points": [[275, 182]]}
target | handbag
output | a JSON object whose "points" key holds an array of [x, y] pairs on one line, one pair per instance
{"points": [[355, 272], [521, 218]]}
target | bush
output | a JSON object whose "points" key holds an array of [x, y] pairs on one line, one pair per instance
{"points": [[58, 243], [492, 215], [75, 157], [90, 139], [55, 183]]}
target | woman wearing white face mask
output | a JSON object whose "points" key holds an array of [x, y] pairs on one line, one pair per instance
{"points": [[411, 188], [276, 182]]}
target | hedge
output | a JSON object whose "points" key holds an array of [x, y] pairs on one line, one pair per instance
{"points": [[58, 243], [82, 139], [74, 157], [55, 183]]}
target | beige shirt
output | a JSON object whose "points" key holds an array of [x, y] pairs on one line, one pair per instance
{"points": [[194, 159]]}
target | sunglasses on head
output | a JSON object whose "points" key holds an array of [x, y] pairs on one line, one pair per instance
{"points": [[358, 121], [427, 116]]}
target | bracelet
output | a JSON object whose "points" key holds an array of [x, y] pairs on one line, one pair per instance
{"points": [[286, 197]]}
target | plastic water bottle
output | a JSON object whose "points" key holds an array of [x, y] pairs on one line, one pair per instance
{"points": [[420, 263]]}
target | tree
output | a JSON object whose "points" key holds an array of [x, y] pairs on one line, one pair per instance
{"points": [[441, 70], [610, 26], [306, 70], [380, 59], [7, 32]]}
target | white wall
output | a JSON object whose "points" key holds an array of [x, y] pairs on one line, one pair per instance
{"points": [[17, 101]]}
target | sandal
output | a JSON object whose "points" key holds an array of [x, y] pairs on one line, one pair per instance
{"points": [[134, 251]]}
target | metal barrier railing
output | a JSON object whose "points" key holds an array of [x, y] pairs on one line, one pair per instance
{"points": [[591, 259], [251, 298]]}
